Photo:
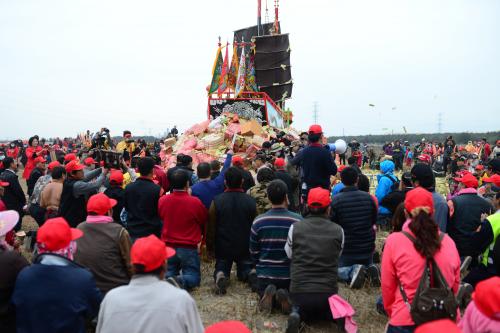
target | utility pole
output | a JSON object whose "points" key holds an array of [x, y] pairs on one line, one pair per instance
{"points": [[315, 112], [440, 122]]}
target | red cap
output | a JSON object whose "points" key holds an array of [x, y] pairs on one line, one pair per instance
{"points": [[495, 179], [228, 326], [150, 252], [73, 166], [40, 159], [424, 158], [487, 296], [116, 176], [237, 160], [315, 129], [318, 197], [468, 180], [100, 204], [419, 199], [70, 157], [3, 184], [479, 167], [89, 161], [279, 163], [54, 164], [441, 325], [55, 234]]}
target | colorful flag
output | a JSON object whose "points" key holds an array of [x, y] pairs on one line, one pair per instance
{"points": [[216, 72], [233, 70], [240, 82], [251, 85], [223, 76]]}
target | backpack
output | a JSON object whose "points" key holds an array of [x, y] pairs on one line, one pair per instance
{"points": [[433, 299], [395, 182]]}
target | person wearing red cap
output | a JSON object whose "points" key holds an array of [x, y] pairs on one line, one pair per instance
{"points": [[69, 158], [248, 181], [54, 294], [149, 304], [228, 326], [281, 172], [90, 165], [484, 241], [465, 211], [441, 325], [36, 173], [76, 189], [316, 162], [184, 218], [405, 255], [105, 246], [313, 281], [483, 313], [13, 197], [491, 186], [115, 191], [50, 198], [11, 263]]}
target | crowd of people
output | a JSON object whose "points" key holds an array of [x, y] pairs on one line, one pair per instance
{"points": [[120, 241]]}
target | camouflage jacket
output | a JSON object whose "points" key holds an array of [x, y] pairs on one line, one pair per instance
{"points": [[259, 193]]}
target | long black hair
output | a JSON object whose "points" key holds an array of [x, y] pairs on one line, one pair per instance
{"points": [[426, 233]]}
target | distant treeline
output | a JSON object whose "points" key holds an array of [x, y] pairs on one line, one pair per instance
{"points": [[460, 138]]}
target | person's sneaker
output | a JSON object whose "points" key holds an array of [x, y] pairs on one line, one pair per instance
{"points": [[253, 281], [373, 273], [266, 302], [284, 301], [465, 265], [173, 281], [221, 283], [464, 294], [358, 277], [293, 324]]}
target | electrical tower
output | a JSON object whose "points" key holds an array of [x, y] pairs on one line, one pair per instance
{"points": [[315, 112], [440, 122]]}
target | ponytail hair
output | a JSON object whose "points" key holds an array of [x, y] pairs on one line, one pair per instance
{"points": [[426, 233]]}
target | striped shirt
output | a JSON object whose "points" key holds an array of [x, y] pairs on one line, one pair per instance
{"points": [[267, 243]]}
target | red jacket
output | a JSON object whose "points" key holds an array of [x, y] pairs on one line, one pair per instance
{"points": [[184, 217], [161, 177], [401, 263]]}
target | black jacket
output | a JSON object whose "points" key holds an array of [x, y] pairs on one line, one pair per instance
{"points": [[356, 212], [13, 197], [141, 204], [73, 209], [235, 212], [35, 174], [117, 193], [248, 181], [317, 165]]}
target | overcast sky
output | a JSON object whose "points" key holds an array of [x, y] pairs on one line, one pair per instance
{"points": [[68, 66]]}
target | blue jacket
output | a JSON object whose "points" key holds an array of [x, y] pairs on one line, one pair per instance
{"points": [[385, 184], [55, 295], [207, 190]]}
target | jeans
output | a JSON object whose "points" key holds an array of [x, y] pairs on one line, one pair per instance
{"points": [[185, 267], [243, 267], [401, 329], [348, 263]]}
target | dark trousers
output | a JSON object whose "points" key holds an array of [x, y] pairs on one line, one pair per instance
{"points": [[312, 306], [243, 267], [37, 213], [401, 329], [280, 284]]}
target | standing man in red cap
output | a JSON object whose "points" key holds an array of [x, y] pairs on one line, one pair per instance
{"points": [[465, 211], [105, 246], [55, 295], [34, 207], [36, 173], [313, 281], [316, 162], [149, 304], [50, 198], [75, 190]]}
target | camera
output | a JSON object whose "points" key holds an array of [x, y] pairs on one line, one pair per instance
{"points": [[111, 159]]}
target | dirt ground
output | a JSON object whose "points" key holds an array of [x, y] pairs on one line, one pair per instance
{"points": [[241, 304]]}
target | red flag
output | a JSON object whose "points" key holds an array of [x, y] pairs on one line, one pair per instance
{"points": [[224, 74]]}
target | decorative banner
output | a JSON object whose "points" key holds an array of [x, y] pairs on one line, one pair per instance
{"points": [[250, 79], [216, 72], [233, 70], [240, 82], [224, 74]]}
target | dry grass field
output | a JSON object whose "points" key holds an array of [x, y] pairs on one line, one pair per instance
{"points": [[241, 304]]}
